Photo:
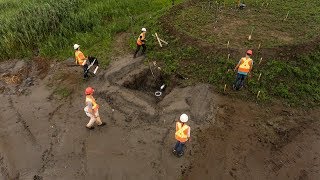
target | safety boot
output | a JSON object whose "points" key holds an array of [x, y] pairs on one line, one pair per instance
{"points": [[102, 124], [90, 128]]}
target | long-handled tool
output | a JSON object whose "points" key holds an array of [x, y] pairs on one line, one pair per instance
{"points": [[90, 65], [95, 61]]}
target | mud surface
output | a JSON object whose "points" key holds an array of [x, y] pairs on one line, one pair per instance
{"points": [[249, 141], [43, 134]]}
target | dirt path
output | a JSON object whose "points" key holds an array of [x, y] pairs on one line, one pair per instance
{"points": [[43, 135]]}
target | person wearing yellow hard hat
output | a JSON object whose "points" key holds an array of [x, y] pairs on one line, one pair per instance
{"points": [[92, 109], [182, 135]]}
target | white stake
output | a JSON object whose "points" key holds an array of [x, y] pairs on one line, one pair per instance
{"points": [[259, 46], [258, 94], [286, 16], [249, 38], [225, 87], [259, 77], [260, 60]]}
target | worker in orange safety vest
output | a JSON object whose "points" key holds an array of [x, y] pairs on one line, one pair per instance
{"points": [[182, 135], [92, 109], [244, 67], [81, 60], [141, 41]]}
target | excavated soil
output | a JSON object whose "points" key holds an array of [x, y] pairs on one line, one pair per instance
{"points": [[43, 134]]}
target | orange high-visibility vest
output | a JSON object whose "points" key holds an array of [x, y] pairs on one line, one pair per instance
{"points": [[181, 132], [139, 40], [80, 58], [89, 98], [245, 65]]}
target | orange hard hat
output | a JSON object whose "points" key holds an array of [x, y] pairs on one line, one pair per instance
{"points": [[89, 90], [249, 52]]}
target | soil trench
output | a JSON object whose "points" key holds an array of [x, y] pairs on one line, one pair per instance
{"points": [[43, 134]]}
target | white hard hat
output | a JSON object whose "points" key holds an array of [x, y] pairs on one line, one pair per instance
{"points": [[184, 118], [76, 46], [144, 29]]}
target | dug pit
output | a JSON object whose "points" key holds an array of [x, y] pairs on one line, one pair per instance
{"points": [[149, 83]]}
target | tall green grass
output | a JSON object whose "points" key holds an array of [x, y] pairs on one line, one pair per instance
{"points": [[52, 26]]}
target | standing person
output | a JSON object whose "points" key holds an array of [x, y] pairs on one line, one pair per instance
{"points": [[182, 135], [81, 60], [141, 42], [92, 109], [244, 67]]}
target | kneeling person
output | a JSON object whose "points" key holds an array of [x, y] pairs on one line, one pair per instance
{"points": [[81, 60]]}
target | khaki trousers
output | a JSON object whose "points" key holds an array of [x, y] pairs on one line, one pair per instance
{"points": [[92, 118]]}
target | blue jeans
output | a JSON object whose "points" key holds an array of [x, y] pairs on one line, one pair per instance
{"points": [[240, 79], [179, 147]]}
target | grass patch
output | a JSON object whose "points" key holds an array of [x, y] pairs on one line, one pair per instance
{"points": [[63, 92], [218, 22], [294, 82]]}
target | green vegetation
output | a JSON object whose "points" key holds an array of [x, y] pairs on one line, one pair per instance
{"points": [[63, 92], [52, 26], [219, 22], [293, 81]]}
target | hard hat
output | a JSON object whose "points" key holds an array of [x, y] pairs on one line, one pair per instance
{"points": [[249, 52], [89, 90], [184, 118], [144, 29], [76, 46]]}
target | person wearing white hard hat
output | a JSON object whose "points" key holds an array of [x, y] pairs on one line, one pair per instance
{"points": [[141, 41], [81, 59], [182, 135]]}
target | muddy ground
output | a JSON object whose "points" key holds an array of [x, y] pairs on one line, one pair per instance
{"points": [[43, 134]]}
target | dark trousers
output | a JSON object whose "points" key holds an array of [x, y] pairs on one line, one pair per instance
{"points": [[144, 48], [179, 147], [240, 79], [85, 72]]}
